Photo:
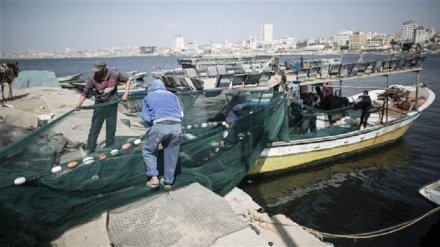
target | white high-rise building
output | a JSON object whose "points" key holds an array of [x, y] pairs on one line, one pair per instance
{"points": [[179, 45], [267, 33], [343, 36], [422, 34], [408, 28]]}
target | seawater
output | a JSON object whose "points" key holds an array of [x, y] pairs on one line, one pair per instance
{"points": [[366, 193]]}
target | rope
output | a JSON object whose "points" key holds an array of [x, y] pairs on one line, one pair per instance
{"points": [[365, 235]]}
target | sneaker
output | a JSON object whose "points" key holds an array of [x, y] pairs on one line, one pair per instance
{"points": [[153, 183], [166, 186]]}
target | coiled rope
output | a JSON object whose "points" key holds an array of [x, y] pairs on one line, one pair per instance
{"points": [[373, 234]]}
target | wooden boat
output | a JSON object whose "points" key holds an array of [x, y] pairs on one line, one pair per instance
{"points": [[139, 76], [79, 85], [130, 73], [315, 136], [69, 78], [208, 61], [388, 122], [431, 192]]}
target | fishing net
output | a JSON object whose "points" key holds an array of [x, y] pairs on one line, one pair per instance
{"points": [[50, 184]]}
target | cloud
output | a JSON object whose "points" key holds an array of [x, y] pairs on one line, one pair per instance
{"points": [[169, 25]]}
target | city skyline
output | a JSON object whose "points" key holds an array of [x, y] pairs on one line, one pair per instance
{"points": [[70, 24]]}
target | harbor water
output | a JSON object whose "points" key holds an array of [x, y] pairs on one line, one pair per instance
{"points": [[360, 194]]}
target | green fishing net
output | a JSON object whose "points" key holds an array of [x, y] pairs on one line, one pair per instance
{"points": [[49, 184]]}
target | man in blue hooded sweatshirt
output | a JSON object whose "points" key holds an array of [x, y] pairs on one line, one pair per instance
{"points": [[161, 111]]}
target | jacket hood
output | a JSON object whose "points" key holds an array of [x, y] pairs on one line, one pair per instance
{"points": [[157, 85]]}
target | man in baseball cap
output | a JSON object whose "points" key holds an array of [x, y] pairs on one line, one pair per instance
{"points": [[99, 65], [102, 84]]}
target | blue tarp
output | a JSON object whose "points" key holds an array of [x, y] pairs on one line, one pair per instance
{"points": [[35, 78]]}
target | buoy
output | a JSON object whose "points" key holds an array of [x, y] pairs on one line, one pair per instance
{"points": [[225, 134], [102, 157], [72, 164], [126, 146], [20, 180], [56, 169], [204, 125], [196, 126], [137, 142], [189, 127], [114, 152], [88, 160]]}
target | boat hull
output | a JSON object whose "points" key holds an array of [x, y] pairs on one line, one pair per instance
{"points": [[282, 156], [431, 192], [69, 78]]}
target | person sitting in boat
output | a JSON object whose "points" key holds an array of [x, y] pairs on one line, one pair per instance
{"points": [[237, 111], [311, 100], [364, 104]]}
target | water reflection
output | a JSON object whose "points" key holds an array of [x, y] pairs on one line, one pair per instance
{"points": [[371, 168]]}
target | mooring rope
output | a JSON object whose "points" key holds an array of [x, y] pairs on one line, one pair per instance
{"points": [[373, 234]]}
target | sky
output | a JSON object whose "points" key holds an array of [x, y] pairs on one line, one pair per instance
{"points": [[48, 25]]}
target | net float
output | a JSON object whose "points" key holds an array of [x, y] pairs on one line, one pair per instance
{"points": [[88, 160], [102, 157], [137, 141], [114, 152], [56, 169], [72, 164], [20, 180], [126, 146]]}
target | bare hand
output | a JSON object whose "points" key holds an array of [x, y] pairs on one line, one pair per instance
{"points": [[125, 97]]}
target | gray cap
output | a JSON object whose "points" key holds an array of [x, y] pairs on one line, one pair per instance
{"points": [[98, 66]]}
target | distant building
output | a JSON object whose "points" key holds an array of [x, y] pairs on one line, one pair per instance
{"points": [[192, 48], [421, 35], [408, 28], [357, 41], [342, 37], [179, 44], [267, 33], [147, 49]]}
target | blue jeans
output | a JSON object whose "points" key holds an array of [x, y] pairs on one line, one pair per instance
{"points": [[109, 114], [169, 135]]}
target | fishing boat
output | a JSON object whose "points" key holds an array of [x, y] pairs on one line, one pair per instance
{"points": [[208, 61], [69, 78], [139, 76], [431, 192], [309, 136], [317, 136]]}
